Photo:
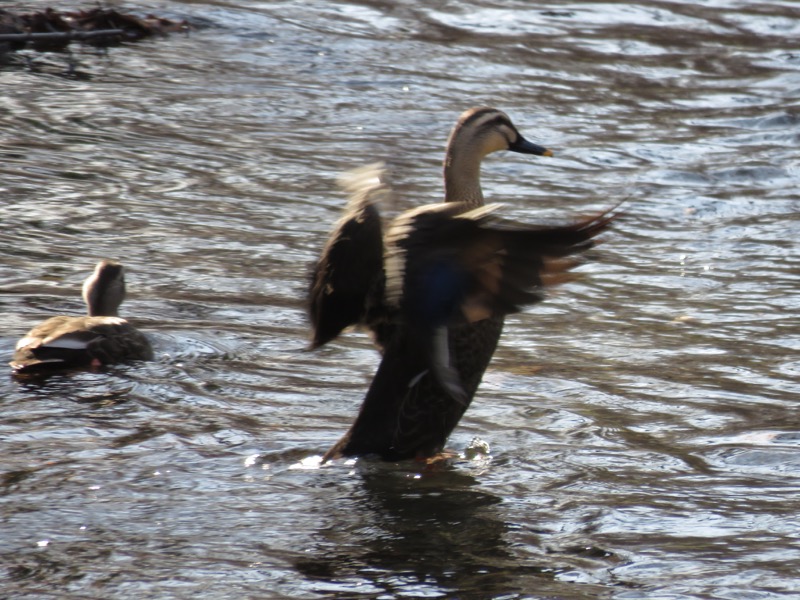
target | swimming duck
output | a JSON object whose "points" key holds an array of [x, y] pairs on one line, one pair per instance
{"points": [[434, 289], [98, 339]]}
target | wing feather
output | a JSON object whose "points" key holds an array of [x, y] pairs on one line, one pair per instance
{"points": [[349, 273]]}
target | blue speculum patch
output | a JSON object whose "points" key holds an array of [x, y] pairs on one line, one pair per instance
{"points": [[433, 296]]}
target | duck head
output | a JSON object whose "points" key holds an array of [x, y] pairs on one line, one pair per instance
{"points": [[104, 290], [479, 132]]}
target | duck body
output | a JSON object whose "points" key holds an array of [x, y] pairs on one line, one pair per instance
{"points": [[407, 412], [436, 295], [66, 342]]}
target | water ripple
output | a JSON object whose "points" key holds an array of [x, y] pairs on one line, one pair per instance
{"points": [[638, 430]]}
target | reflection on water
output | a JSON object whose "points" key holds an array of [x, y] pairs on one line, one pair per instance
{"points": [[407, 532], [643, 421]]}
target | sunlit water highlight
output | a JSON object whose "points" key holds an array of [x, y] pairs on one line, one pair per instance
{"points": [[643, 423]]}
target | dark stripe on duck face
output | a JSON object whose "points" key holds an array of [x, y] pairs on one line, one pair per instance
{"points": [[514, 139], [484, 119], [497, 117]]}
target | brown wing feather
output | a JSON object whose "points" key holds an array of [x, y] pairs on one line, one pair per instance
{"points": [[512, 264], [349, 272]]}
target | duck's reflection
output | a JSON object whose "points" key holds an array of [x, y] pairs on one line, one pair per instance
{"points": [[422, 533]]}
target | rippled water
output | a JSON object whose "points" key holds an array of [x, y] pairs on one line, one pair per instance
{"points": [[643, 423]]}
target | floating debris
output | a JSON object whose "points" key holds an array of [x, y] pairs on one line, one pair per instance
{"points": [[51, 30]]}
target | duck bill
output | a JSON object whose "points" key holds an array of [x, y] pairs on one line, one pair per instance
{"points": [[523, 146]]}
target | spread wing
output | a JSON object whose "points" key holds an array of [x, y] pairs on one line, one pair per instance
{"points": [[347, 279], [447, 267]]}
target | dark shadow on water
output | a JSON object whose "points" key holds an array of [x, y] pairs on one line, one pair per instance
{"points": [[424, 534]]}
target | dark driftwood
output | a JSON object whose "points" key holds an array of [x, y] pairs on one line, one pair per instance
{"points": [[51, 29], [58, 36]]}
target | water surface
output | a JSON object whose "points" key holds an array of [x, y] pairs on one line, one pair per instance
{"points": [[643, 423]]}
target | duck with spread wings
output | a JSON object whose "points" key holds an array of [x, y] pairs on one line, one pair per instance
{"points": [[433, 287]]}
